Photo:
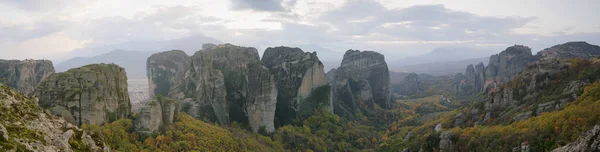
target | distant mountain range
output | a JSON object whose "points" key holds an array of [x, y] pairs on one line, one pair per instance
{"points": [[134, 62], [187, 44], [441, 61], [131, 55], [447, 68]]}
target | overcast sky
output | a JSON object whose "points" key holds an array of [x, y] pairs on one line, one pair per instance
{"points": [[50, 29]]}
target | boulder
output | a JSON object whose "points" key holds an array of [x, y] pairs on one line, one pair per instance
{"points": [[25, 75], [446, 144], [93, 94], [301, 82]]}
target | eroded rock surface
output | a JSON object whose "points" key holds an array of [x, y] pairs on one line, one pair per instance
{"points": [[588, 141], [24, 126], [25, 75], [93, 94], [157, 113], [300, 78]]}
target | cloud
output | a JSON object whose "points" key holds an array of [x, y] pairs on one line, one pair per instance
{"points": [[259, 5], [41, 5], [22, 32]]}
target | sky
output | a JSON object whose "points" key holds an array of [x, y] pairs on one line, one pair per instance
{"points": [[52, 29]]}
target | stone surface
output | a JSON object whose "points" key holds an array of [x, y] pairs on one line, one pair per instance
{"points": [[446, 144], [156, 114], [24, 126], [570, 50], [166, 72], [299, 76], [93, 94], [588, 141], [220, 83], [410, 85], [364, 72], [25, 75]]}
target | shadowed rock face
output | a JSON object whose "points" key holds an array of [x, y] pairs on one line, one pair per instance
{"points": [[370, 66], [297, 75], [25, 75], [362, 75], [508, 63], [410, 85], [164, 73], [93, 94]]}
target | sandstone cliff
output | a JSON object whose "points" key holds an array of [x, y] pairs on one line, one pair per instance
{"points": [[24, 126], [298, 75], [221, 83], [410, 85], [92, 94], [361, 75], [164, 72], [157, 113], [24, 75]]}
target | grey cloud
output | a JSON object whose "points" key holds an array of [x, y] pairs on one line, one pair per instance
{"points": [[37, 5], [26, 32], [363, 17], [259, 5]]}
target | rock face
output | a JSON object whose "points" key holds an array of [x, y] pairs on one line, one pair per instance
{"points": [[156, 114], [165, 75], [301, 82], [92, 94], [362, 75], [508, 63], [589, 141], [446, 144], [410, 85], [25, 75], [570, 50], [222, 83], [25, 127]]}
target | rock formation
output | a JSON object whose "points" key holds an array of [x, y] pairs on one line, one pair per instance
{"points": [[362, 75], [25, 75], [24, 126], [157, 113], [165, 73], [410, 85], [92, 94], [588, 141], [222, 83], [300, 81], [570, 50], [446, 144]]}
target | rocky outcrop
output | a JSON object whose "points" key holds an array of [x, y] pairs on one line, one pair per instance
{"points": [[508, 63], [156, 114], [221, 83], [570, 50], [24, 126], [25, 75], [300, 80], [409, 86], [364, 72], [93, 94], [166, 72], [240, 66], [588, 141], [446, 144]]}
